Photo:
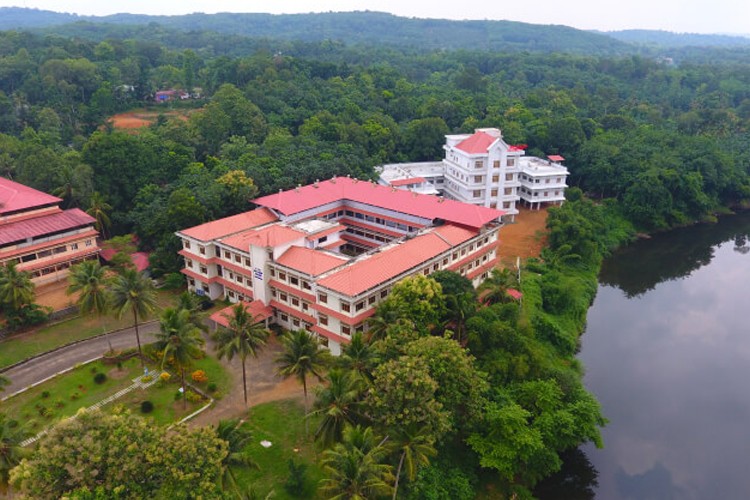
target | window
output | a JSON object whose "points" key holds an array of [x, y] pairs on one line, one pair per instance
{"points": [[477, 193], [479, 164], [546, 181], [189, 263], [230, 293], [371, 300], [295, 301], [88, 243], [227, 255], [247, 262], [323, 239], [202, 250], [74, 246], [323, 340], [295, 322], [239, 279], [282, 276], [191, 282], [204, 270], [496, 164], [186, 243], [511, 162], [346, 307], [506, 204], [323, 297], [284, 317], [478, 178], [508, 177], [495, 178], [237, 258], [359, 305], [306, 285], [346, 330], [508, 191], [323, 319], [282, 296], [383, 294], [60, 249], [294, 280], [493, 193]]}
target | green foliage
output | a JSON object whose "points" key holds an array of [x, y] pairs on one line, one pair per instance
{"points": [[100, 378], [108, 451], [147, 406], [295, 482]]}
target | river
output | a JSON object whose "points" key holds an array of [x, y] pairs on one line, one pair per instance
{"points": [[667, 353]]}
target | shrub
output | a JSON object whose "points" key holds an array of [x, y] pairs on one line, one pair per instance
{"points": [[147, 406], [164, 377], [100, 378], [75, 396], [59, 403], [211, 387], [44, 394], [194, 397], [173, 281], [147, 378], [199, 376], [177, 396]]}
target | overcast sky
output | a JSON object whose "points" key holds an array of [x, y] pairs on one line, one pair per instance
{"points": [[682, 16]]}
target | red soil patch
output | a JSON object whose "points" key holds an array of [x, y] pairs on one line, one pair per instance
{"points": [[142, 118], [525, 238]]}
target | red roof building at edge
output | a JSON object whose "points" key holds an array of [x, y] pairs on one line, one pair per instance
{"points": [[39, 236], [322, 256]]}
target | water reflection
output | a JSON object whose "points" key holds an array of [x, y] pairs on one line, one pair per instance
{"points": [[641, 266], [670, 365], [576, 480]]}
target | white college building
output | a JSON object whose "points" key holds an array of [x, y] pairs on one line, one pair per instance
{"points": [[482, 169]]}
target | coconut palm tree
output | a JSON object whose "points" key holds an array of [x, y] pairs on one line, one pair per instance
{"points": [[244, 336], [358, 356], [355, 468], [237, 438], [189, 301], [338, 403], [89, 280], [180, 340], [416, 446], [11, 436], [495, 288], [301, 357], [99, 210], [16, 288], [133, 292]]}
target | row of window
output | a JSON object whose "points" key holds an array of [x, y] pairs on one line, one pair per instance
{"points": [[372, 219], [41, 254], [290, 279], [536, 193], [536, 180]]}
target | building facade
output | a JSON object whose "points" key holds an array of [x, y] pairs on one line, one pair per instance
{"points": [[322, 256], [39, 236], [482, 169]]}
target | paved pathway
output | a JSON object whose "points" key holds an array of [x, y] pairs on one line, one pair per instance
{"points": [[48, 364]]}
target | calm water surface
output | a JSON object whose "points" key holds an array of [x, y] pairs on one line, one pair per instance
{"points": [[667, 353]]}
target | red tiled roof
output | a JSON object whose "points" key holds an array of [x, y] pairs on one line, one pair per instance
{"points": [[309, 261], [15, 197], [429, 207], [44, 224], [410, 180], [230, 225], [46, 244], [390, 263], [257, 310], [556, 158], [477, 143], [518, 147], [513, 293], [270, 236]]}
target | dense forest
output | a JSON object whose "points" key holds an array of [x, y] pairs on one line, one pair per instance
{"points": [[650, 145]]}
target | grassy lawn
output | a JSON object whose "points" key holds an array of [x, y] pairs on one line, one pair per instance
{"points": [[63, 396], [283, 424], [19, 347]]}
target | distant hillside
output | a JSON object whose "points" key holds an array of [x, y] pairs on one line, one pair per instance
{"points": [[351, 28], [669, 39]]}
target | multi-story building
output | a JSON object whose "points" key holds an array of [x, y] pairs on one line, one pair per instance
{"points": [[322, 256], [39, 236], [482, 169]]}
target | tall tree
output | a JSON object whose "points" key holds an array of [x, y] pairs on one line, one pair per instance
{"points": [[495, 288], [243, 337], [415, 446], [358, 356], [12, 434], [131, 291], [181, 342], [355, 467], [89, 280], [99, 210], [302, 357], [16, 288], [237, 437], [339, 404]]}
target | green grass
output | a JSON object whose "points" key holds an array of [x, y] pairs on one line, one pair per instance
{"points": [[283, 424], [216, 372], [68, 393], [19, 347], [166, 409]]}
